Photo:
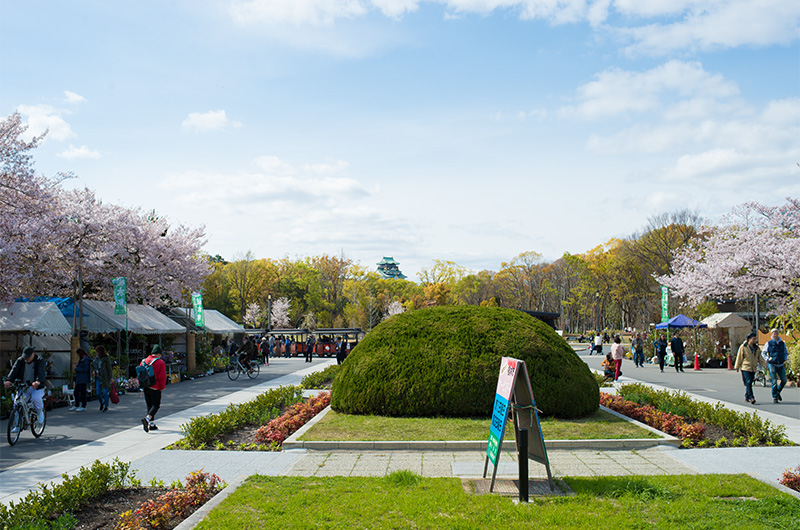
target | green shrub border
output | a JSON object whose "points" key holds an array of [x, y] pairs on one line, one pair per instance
{"points": [[749, 425], [201, 431], [51, 500], [321, 379]]}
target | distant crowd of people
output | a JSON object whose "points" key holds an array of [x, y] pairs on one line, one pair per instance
{"points": [[264, 347]]}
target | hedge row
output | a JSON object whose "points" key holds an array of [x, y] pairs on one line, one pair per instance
{"points": [[76, 491], [202, 430], [749, 425]]}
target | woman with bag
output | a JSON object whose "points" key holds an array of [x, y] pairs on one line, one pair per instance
{"points": [[103, 377], [83, 374]]}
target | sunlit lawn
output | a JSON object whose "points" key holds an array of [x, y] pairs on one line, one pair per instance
{"points": [[403, 500], [346, 427]]}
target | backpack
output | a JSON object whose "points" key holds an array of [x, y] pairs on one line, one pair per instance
{"points": [[146, 375]]}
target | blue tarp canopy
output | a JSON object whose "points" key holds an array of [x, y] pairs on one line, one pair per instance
{"points": [[681, 321]]}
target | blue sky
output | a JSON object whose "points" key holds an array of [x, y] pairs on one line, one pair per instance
{"points": [[462, 130]]}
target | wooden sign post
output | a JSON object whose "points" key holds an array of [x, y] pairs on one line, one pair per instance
{"points": [[514, 396]]}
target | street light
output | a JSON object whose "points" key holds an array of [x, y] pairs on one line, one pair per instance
{"points": [[597, 299], [269, 312]]}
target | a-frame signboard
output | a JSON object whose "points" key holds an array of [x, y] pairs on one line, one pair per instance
{"points": [[514, 397]]}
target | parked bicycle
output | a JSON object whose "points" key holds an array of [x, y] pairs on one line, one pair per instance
{"points": [[23, 414], [235, 367]]}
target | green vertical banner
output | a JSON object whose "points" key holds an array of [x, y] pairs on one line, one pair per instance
{"points": [[664, 303], [197, 305], [120, 295]]}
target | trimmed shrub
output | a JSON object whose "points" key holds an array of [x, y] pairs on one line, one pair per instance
{"points": [[444, 361]]}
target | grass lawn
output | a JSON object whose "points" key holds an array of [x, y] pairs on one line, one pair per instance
{"points": [[403, 500], [346, 427]]}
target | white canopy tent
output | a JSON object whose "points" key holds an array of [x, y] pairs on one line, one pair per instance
{"points": [[214, 321], [46, 327], [99, 317], [39, 318], [738, 328]]}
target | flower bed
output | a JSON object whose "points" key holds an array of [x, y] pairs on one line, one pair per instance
{"points": [[277, 430], [689, 433], [738, 428]]}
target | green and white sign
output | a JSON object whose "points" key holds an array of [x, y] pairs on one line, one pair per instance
{"points": [[197, 305], [664, 303], [120, 295]]}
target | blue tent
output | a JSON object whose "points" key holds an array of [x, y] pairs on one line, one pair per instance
{"points": [[680, 321]]}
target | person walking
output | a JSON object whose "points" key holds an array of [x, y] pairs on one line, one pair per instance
{"points": [[103, 374], [309, 352], [287, 347], [637, 346], [617, 353], [776, 359], [747, 360], [341, 351], [152, 394], [676, 344], [271, 346], [598, 344], [661, 351], [83, 375]]}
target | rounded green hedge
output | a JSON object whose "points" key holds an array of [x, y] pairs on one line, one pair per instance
{"points": [[444, 361]]}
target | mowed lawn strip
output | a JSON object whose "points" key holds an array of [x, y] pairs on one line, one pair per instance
{"points": [[346, 427], [394, 501]]}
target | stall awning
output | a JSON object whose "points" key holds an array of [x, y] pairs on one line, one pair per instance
{"points": [[40, 318], [215, 322], [99, 317], [726, 320], [681, 321]]}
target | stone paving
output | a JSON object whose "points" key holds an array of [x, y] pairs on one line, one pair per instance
{"points": [[469, 464]]}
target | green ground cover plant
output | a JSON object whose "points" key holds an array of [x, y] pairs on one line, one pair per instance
{"points": [[351, 427], [406, 501], [444, 361], [321, 379], [201, 431], [746, 425], [34, 510]]}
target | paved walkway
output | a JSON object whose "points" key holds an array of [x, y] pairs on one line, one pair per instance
{"points": [[144, 451]]}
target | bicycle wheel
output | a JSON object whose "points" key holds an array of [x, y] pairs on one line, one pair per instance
{"points": [[15, 425], [36, 428], [255, 369], [233, 372]]}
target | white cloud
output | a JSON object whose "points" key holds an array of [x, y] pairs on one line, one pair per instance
{"points": [[711, 25], [616, 91], [280, 183], [41, 118], [652, 27], [72, 97], [208, 121], [296, 12], [83, 151]]}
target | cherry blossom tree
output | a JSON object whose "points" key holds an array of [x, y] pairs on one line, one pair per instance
{"points": [[394, 308], [755, 251], [48, 234], [253, 315], [280, 313]]}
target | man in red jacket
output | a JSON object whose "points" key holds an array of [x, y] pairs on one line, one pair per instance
{"points": [[152, 395]]}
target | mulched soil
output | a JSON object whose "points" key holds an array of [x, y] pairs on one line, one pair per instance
{"points": [[714, 433], [104, 511]]}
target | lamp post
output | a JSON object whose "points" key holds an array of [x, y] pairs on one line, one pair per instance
{"points": [[269, 312], [597, 305]]}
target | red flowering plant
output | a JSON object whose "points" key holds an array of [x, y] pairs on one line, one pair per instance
{"points": [[277, 430], [791, 478], [690, 433]]}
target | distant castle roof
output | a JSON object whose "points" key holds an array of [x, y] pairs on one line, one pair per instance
{"points": [[388, 268]]}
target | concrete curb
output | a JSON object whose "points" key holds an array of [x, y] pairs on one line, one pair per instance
{"points": [[293, 441], [775, 485]]}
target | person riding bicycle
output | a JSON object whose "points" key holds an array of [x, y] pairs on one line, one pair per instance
{"points": [[30, 368], [246, 352]]}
